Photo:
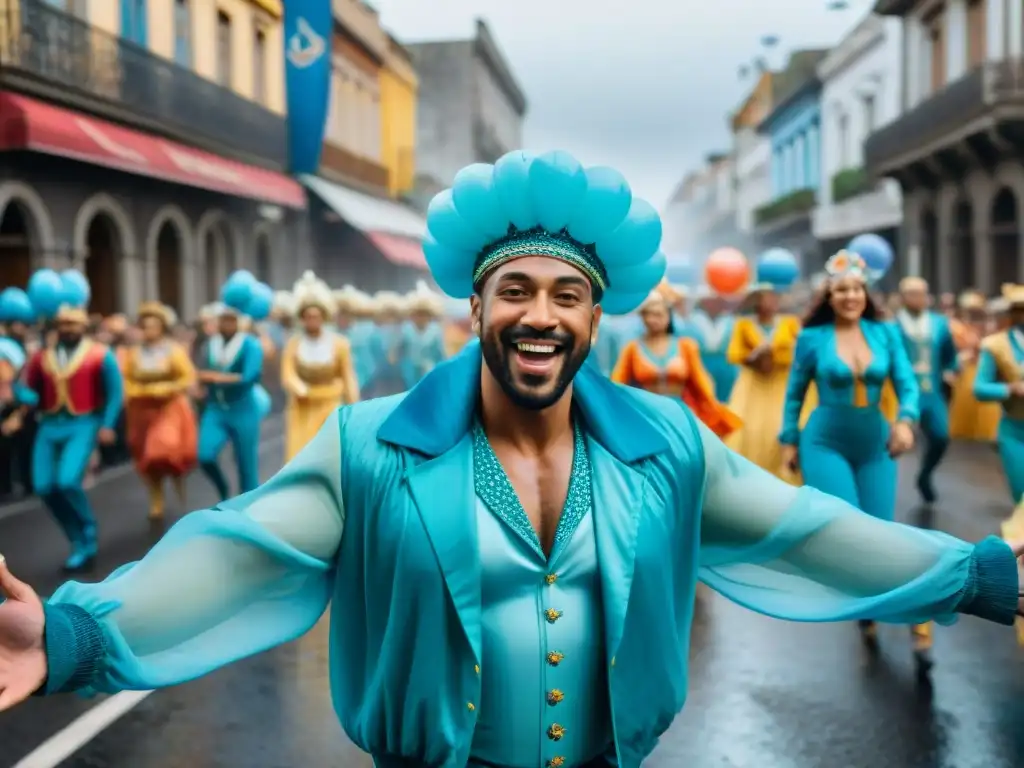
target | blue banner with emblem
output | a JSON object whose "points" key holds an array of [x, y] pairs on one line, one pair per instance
{"points": [[307, 53]]}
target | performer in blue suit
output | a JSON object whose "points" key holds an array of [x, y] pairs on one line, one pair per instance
{"points": [[421, 346], [929, 345], [848, 448], [231, 374], [81, 393], [511, 549]]}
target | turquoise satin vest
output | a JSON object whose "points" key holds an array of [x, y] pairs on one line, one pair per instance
{"points": [[408, 485]]}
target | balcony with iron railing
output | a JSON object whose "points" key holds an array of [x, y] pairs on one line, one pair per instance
{"points": [[983, 99], [55, 56]]}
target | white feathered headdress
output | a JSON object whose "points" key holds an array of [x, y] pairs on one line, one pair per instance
{"points": [[424, 300], [311, 291], [389, 303]]}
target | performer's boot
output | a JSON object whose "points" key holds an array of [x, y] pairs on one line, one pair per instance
{"points": [[868, 634], [934, 450], [155, 486], [213, 471], [85, 544], [922, 640]]}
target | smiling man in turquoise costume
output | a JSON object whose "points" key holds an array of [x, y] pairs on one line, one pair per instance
{"points": [[510, 549]]}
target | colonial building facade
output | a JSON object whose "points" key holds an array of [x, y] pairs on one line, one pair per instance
{"points": [[956, 147], [861, 89], [145, 144]]}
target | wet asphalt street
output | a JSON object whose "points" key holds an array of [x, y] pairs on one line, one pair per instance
{"points": [[763, 694]]}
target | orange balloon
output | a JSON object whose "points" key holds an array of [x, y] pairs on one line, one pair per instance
{"points": [[726, 271]]}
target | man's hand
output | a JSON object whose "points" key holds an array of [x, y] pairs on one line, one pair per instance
{"points": [[22, 653], [107, 436], [1017, 389]]}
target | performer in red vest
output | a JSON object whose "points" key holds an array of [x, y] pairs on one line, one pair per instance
{"points": [[80, 394]]}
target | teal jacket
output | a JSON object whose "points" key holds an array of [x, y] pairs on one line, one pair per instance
{"points": [[377, 516]]}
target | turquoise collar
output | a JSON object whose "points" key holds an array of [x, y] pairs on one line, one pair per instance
{"points": [[439, 411]]}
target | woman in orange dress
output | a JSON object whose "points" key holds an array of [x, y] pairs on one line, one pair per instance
{"points": [[161, 425], [968, 418], [663, 363]]}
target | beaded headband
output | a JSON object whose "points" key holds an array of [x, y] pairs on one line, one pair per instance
{"points": [[847, 264], [539, 242]]}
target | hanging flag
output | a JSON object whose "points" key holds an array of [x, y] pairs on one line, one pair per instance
{"points": [[307, 36]]}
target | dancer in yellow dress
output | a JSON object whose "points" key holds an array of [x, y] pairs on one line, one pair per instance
{"points": [[968, 418], [161, 425], [317, 371], [762, 344]]}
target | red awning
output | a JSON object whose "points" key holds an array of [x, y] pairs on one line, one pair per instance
{"points": [[40, 127], [403, 251]]}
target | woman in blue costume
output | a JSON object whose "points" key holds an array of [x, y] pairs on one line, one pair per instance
{"points": [[387, 344], [848, 448], [422, 341], [234, 403], [511, 549], [711, 326]]}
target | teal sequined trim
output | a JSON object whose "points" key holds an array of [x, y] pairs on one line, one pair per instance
{"points": [[495, 490], [539, 242]]}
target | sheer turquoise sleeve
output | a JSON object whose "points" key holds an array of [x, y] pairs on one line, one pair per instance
{"points": [[799, 554], [987, 386], [223, 584], [901, 373], [800, 376]]}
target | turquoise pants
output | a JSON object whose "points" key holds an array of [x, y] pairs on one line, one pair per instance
{"points": [[240, 425], [1010, 439], [843, 452], [935, 428], [60, 458]]}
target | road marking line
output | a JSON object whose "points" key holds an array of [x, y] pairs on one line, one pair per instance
{"points": [[62, 745], [32, 503]]}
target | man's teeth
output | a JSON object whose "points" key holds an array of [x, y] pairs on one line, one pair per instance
{"points": [[540, 349]]}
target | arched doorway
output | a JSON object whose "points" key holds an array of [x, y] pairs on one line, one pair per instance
{"points": [[962, 247], [169, 248], [262, 259], [17, 239], [929, 246], [1005, 238], [216, 261], [103, 255]]}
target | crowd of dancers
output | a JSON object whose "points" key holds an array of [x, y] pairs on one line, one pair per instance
{"points": [[770, 372]]}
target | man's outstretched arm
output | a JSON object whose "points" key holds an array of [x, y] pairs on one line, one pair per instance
{"points": [[223, 584], [799, 554]]}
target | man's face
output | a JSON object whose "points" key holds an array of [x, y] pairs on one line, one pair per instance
{"points": [[227, 325], [1017, 315], [536, 320], [915, 299], [69, 333]]}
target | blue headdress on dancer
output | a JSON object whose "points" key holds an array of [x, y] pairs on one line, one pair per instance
{"points": [[547, 205]]}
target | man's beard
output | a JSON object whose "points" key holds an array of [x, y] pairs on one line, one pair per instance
{"points": [[497, 354], [69, 340]]}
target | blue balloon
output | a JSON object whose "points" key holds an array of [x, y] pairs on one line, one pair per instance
{"points": [[777, 267], [16, 307], [558, 185], [680, 270], [12, 352], [512, 183], [76, 288], [477, 202], [616, 303], [235, 294], [604, 206], [242, 276], [261, 302], [875, 250], [46, 292]]}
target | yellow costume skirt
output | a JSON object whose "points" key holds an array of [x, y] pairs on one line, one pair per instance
{"points": [[758, 399], [969, 419], [303, 419]]}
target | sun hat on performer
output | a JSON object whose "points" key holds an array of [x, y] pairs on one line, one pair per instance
{"points": [[284, 304], [1013, 295], [311, 292], [424, 300], [545, 205], [388, 303], [157, 310]]}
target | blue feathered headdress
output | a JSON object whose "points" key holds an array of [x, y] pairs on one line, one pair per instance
{"points": [[547, 205]]}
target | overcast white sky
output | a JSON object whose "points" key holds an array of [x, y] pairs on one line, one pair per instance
{"points": [[644, 85]]}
